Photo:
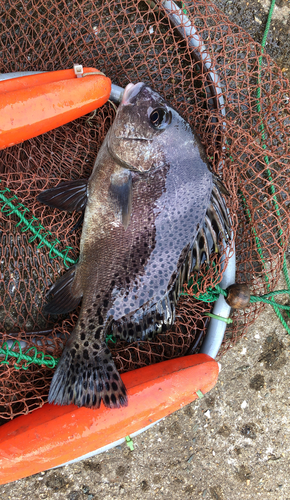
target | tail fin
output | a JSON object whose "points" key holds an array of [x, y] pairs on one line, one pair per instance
{"points": [[87, 378]]}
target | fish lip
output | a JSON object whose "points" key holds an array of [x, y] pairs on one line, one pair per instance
{"points": [[131, 90]]}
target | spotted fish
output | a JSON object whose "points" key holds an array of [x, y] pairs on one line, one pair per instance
{"points": [[153, 212]]}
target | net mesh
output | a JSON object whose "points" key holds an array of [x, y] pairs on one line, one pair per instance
{"points": [[134, 41]]}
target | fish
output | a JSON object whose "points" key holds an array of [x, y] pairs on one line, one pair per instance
{"points": [[152, 213]]}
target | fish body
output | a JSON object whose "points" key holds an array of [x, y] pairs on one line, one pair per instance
{"points": [[153, 211]]}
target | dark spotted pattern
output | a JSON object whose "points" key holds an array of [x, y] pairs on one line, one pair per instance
{"points": [[131, 269], [92, 379], [156, 317]]}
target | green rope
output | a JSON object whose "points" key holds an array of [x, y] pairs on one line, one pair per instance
{"points": [[229, 321], [110, 337], [24, 358], [184, 9], [212, 294], [9, 207], [129, 443]]}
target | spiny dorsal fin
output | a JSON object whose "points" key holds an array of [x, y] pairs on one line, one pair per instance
{"points": [[69, 196], [221, 188], [216, 223], [217, 198], [148, 320]]}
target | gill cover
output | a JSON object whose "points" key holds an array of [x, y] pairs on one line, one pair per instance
{"points": [[142, 128]]}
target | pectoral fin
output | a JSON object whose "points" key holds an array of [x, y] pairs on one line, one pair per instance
{"points": [[69, 196], [121, 191]]}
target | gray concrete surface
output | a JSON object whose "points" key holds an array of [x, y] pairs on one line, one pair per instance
{"points": [[234, 443]]}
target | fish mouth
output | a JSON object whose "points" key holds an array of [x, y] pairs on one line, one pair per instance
{"points": [[131, 90], [132, 138]]}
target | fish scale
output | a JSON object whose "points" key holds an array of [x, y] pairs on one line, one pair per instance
{"points": [[153, 213]]}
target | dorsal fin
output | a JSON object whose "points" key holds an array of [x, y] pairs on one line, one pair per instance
{"points": [[216, 223]]}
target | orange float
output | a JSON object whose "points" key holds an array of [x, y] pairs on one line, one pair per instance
{"points": [[54, 435], [32, 105]]}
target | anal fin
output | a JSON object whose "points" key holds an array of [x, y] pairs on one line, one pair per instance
{"points": [[66, 297], [69, 196], [148, 320]]}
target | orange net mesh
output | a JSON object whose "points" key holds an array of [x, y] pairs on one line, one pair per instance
{"points": [[136, 41]]}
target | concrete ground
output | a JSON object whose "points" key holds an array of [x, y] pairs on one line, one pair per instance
{"points": [[235, 442]]}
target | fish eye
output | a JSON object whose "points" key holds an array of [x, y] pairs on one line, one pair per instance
{"points": [[160, 118]]}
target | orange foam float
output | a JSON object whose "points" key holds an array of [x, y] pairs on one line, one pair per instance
{"points": [[32, 105], [54, 435]]}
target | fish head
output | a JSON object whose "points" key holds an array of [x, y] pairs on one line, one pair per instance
{"points": [[147, 131]]}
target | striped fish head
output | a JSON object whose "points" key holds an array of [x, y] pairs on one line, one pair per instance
{"points": [[147, 132]]}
